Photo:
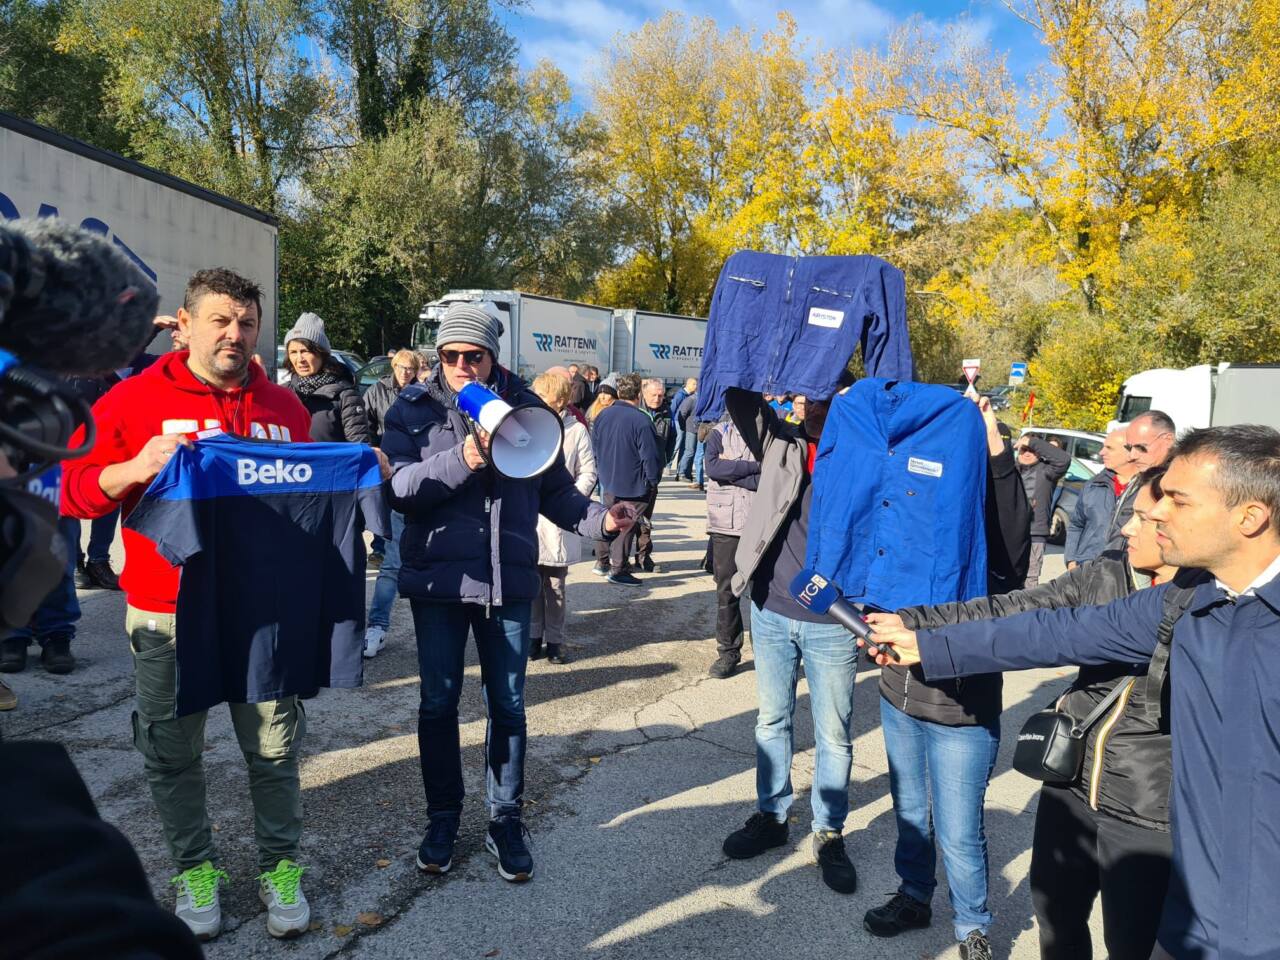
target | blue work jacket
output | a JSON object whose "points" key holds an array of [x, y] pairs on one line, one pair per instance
{"points": [[1224, 675], [790, 325], [899, 494]]}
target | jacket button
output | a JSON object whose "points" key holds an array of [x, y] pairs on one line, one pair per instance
{"points": [[891, 453], [884, 503], [879, 553]]}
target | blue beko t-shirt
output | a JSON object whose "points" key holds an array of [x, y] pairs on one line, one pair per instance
{"points": [[272, 593]]}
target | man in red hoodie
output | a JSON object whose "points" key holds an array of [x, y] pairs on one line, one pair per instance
{"points": [[140, 423]]}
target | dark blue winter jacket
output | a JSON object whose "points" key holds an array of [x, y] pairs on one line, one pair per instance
{"points": [[1224, 676], [899, 496], [471, 536], [628, 454], [790, 325], [1091, 518], [675, 406]]}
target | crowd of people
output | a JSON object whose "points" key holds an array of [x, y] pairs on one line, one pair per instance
{"points": [[1172, 553]]}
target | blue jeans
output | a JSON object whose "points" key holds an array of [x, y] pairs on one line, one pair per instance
{"points": [[700, 451], [59, 612], [387, 585], [102, 530], [678, 453], [830, 665], [502, 640], [950, 766]]}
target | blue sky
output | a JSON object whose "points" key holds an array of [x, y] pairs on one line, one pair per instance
{"points": [[572, 33]]}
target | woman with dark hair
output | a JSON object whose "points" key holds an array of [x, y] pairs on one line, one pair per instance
{"points": [[324, 385]]}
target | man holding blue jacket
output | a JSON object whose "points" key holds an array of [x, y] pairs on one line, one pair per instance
{"points": [[1220, 511]]}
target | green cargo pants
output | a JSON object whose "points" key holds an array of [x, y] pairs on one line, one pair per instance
{"points": [[172, 749]]}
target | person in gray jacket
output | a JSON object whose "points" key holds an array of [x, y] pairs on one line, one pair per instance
{"points": [[1042, 464], [771, 551], [734, 475], [1095, 507]]}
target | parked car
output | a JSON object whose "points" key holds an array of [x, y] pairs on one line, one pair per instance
{"points": [[353, 362], [1081, 444], [1064, 499], [999, 396], [372, 372]]}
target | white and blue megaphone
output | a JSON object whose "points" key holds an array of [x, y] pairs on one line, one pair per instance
{"points": [[524, 441]]}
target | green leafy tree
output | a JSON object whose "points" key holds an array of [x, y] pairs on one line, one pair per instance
{"points": [[237, 108], [36, 77]]}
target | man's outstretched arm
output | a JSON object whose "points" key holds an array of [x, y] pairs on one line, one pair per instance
{"points": [[1120, 632]]}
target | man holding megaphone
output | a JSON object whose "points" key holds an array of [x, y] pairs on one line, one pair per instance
{"points": [[477, 459]]}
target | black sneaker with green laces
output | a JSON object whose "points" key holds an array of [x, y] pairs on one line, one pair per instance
{"points": [[900, 914], [762, 832], [838, 872]]}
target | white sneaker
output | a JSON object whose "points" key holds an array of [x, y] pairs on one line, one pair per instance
{"points": [[288, 914], [375, 638], [198, 905]]}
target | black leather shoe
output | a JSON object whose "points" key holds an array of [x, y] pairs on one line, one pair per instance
{"points": [[761, 832], [55, 654], [832, 859], [13, 655], [556, 654], [100, 574], [900, 914], [535, 648], [724, 666]]}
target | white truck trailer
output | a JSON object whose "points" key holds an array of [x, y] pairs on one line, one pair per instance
{"points": [[542, 332], [168, 227], [658, 344], [1208, 395]]}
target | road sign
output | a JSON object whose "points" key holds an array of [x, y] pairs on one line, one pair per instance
{"points": [[971, 368], [1017, 373]]}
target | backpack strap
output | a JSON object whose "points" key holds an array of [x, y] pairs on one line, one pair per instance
{"points": [[1176, 601]]}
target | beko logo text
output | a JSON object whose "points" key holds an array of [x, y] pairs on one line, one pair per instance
{"points": [[546, 342], [248, 472], [668, 351]]}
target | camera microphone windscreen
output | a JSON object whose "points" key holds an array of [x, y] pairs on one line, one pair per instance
{"points": [[76, 304]]}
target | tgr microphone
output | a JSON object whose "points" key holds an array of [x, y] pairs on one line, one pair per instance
{"points": [[815, 592], [69, 301]]}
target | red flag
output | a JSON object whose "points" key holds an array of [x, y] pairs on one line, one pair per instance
{"points": [[1031, 402]]}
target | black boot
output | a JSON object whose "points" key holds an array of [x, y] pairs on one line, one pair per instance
{"points": [[13, 655], [535, 648], [556, 654], [55, 655]]}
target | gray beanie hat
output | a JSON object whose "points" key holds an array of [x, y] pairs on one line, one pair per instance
{"points": [[470, 323], [309, 326]]}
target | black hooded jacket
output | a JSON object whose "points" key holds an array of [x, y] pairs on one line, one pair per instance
{"points": [[337, 412]]}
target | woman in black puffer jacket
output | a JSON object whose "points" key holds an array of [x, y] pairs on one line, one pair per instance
{"points": [[324, 385]]}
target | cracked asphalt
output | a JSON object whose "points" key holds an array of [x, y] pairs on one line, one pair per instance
{"points": [[638, 766]]}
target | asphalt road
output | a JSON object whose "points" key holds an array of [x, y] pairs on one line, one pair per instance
{"points": [[638, 767]]}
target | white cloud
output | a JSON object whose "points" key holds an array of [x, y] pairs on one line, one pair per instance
{"points": [[577, 59], [588, 20]]}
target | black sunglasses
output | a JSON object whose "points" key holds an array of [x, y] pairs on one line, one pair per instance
{"points": [[474, 357]]}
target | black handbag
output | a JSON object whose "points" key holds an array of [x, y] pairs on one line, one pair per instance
{"points": [[1051, 742]]}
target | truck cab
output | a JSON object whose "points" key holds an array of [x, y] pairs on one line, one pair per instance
{"points": [[1210, 394]]}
